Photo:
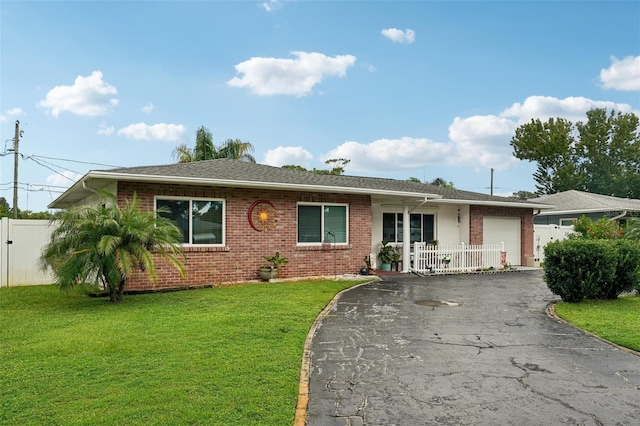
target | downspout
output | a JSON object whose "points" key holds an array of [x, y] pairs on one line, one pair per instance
{"points": [[621, 215], [419, 205], [85, 186]]}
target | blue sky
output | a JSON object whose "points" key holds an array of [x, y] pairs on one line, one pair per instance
{"points": [[420, 89]]}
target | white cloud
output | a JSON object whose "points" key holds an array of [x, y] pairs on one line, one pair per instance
{"points": [[622, 74], [476, 142], [482, 142], [147, 108], [89, 96], [106, 130], [282, 156], [271, 5], [158, 132], [65, 178], [11, 113], [398, 36], [544, 107], [391, 154], [296, 77]]}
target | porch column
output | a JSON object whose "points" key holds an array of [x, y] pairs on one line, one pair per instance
{"points": [[406, 239]]}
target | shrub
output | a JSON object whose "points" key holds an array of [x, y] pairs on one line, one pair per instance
{"points": [[602, 229], [627, 269], [632, 230], [575, 269]]}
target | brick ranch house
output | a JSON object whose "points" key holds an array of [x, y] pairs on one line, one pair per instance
{"points": [[233, 213]]}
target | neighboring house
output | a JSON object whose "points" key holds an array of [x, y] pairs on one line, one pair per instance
{"points": [[571, 205], [556, 223], [234, 213]]}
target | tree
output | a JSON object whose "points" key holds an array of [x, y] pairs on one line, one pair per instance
{"points": [[610, 150], [441, 182], [549, 144], [337, 167], [104, 245], [205, 149], [600, 156], [436, 182], [236, 150], [523, 195], [5, 210]]}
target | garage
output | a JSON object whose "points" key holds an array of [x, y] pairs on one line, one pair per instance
{"points": [[496, 230]]}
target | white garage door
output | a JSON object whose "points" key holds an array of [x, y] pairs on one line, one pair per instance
{"points": [[503, 229]]}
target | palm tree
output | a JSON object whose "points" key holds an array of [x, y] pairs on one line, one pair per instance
{"points": [[104, 245], [205, 150], [236, 150], [183, 154]]}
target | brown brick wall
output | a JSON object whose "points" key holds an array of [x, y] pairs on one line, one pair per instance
{"points": [[477, 214], [245, 247]]}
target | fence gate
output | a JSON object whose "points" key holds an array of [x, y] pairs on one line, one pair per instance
{"points": [[21, 242]]}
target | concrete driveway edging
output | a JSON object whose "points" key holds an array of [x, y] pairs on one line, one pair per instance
{"points": [[300, 418], [551, 311]]}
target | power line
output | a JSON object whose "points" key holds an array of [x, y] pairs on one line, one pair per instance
{"points": [[74, 161], [53, 170]]}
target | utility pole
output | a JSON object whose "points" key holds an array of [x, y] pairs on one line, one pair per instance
{"points": [[492, 181], [16, 140]]}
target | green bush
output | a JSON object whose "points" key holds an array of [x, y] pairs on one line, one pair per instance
{"points": [[627, 270], [574, 269]]}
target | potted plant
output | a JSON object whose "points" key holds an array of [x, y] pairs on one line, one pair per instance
{"points": [[270, 271], [386, 256]]}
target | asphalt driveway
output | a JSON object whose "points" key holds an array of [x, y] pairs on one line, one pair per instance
{"points": [[390, 353]]}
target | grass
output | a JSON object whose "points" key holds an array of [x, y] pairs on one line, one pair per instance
{"points": [[224, 356], [617, 321]]}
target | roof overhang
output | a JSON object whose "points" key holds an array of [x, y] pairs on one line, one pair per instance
{"points": [[584, 211], [93, 181], [520, 205]]}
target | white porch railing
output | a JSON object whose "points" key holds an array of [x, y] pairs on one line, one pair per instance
{"points": [[457, 257]]}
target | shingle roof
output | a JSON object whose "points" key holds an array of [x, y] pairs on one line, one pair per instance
{"points": [[577, 201], [259, 173], [233, 172]]}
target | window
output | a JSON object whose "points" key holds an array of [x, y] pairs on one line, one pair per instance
{"points": [[318, 223], [201, 220], [421, 227], [567, 222]]}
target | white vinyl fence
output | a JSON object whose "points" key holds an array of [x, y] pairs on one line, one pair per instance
{"points": [[544, 234], [21, 243], [457, 257]]}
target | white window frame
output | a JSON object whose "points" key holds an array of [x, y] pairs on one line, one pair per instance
{"points": [[571, 219], [397, 230], [190, 200], [322, 231]]}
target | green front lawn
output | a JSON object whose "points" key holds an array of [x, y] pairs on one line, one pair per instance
{"points": [[224, 356], [617, 321]]}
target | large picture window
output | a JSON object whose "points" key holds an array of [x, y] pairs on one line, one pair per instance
{"points": [[421, 227], [201, 220], [318, 223]]}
